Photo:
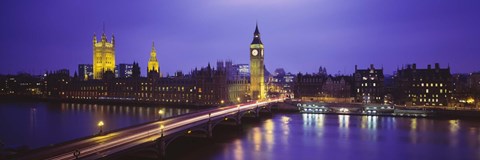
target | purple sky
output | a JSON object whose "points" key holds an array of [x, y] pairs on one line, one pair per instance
{"points": [[299, 35]]}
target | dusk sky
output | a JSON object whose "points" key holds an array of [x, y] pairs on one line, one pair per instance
{"points": [[299, 35]]}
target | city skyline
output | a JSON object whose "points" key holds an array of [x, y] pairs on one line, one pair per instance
{"points": [[380, 33]]}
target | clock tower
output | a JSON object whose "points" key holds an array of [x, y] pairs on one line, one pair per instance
{"points": [[257, 70]]}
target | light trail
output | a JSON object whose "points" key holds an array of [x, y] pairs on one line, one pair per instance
{"points": [[152, 130]]}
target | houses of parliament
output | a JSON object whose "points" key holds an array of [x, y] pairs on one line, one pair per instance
{"points": [[204, 86]]}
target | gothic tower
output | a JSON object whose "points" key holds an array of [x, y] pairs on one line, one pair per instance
{"points": [[257, 71], [153, 68], [103, 56]]}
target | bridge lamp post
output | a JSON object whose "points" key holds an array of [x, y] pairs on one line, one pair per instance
{"points": [[161, 130], [100, 127], [238, 99], [160, 114]]}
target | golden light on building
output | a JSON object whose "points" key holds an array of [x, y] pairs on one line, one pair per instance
{"points": [[103, 56], [470, 100], [257, 67], [153, 62]]}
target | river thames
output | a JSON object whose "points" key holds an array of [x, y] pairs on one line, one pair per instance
{"points": [[37, 124], [278, 136]]}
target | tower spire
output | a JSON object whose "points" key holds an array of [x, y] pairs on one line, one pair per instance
{"points": [[153, 45], [256, 29], [256, 35]]}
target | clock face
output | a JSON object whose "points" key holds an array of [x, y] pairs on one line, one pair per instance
{"points": [[262, 52], [254, 52]]}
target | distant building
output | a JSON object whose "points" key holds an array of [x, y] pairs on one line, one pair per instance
{"points": [[423, 87], [281, 83], [308, 86], [103, 56], [462, 94], [337, 89], [238, 90], [22, 84], [56, 82], [279, 72], [205, 86], [368, 85], [242, 70], [85, 71], [124, 70]]}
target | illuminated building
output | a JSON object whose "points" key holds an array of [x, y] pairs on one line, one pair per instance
{"points": [[369, 85], [85, 71], [423, 87], [238, 90], [103, 56], [153, 67], [204, 86], [257, 70]]}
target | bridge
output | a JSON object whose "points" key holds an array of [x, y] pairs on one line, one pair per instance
{"points": [[158, 134]]}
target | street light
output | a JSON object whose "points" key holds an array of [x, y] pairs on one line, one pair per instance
{"points": [[238, 99], [100, 127], [160, 114], [161, 130]]}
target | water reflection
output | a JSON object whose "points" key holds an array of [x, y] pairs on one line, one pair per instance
{"points": [[295, 136], [413, 131], [344, 121], [40, 124], [372, 122], [454, 129], [285, 126], [238, 151], [313, 119], [269, 137], [454, 126], [135, 111]]}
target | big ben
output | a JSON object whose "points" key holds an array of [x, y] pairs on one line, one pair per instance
{"points": [[257, 71]]}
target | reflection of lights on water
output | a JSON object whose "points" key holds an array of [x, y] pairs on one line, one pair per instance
{"points": [[321, 120], [286, 126], [413, 132], [454, 126], [343, 121], [238, 149], [257, 138], [269, 138], [372, 122], [413, 124], [309, 119], [285, 119], [364, 122]]}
